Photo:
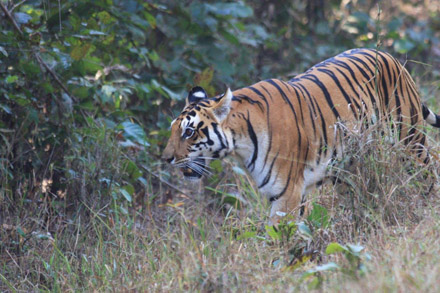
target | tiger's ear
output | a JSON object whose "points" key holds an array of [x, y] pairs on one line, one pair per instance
{"points": [[223, 106], [196, 94]]}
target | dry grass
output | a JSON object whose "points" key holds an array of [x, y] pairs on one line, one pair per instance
{"points": [[168, 241]]}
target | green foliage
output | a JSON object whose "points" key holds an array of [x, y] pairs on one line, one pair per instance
{"points": [[319, 216], [355, 267]]}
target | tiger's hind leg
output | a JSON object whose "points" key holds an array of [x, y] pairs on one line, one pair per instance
{"points": [[420, 151]]}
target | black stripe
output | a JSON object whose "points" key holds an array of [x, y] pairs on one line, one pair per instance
{"points": [[206, 133], [214, 126], [269, 173], [309, 104], [368, 84], [393, 91], [262, 96], [241, 97], [254, 140], [286, 99], [384, 81], [356, 60], [316, 80], [425, 111], [324, 132], [350, 83], [356, 80], [301, 111], [338, 84], [276, 197]]}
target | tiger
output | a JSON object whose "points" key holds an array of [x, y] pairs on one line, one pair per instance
{"points": [[285, 132]]}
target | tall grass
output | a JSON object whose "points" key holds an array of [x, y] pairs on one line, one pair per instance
{"points": [[383, 213]]}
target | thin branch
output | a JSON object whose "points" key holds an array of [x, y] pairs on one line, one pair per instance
{"points": [[55, 77], [16, 5], [11, 18], [59, 15]]}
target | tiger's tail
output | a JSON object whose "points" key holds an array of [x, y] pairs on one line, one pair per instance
{"points": [[430, 117]]}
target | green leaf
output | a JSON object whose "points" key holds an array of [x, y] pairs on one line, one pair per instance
{"points": [[143, 181], [164, 90], [21, 232], [5, 108], [272, 232], [87, 105], [47, 87], [107, 93], [96, 33], [123, 210], [134, 132], [238, 171], [230, 9], [133, 170], [304, 230], [31, 69], [129, 188], [331, 266], [403, 46], [105, 17], [232, 199], [230, 37], [235, 200], [247, 235], [151, 19], [335, 247], [3, 51], [319, 216], [315, 283], [125, 194], [355, 249], [43, 236], [80, 51], [22, 18], [11, 78], [216, 166]]}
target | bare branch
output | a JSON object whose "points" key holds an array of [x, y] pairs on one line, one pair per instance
{"points": [[55, 77], [11, 18], [16, 5]]}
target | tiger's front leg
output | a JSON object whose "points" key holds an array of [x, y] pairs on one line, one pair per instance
{"points": [[287, 204]]}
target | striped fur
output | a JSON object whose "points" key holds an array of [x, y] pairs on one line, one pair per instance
{"points": [[286, 133]]}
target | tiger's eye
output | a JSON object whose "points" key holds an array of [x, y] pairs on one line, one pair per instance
{"points": [[189, 132]]}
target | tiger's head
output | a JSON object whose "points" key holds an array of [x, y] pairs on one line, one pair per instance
{"points": [[197, 135]]}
